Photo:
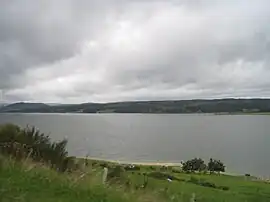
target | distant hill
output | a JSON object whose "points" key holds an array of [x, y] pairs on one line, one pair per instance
{"points": [[26, 107], [3, 104], [170, 106]]}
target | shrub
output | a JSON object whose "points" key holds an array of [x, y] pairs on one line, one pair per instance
{"points": [[103, 165], [216, 166], [30, 142], [204, 183], [116, 172], [201, 182], [196, 164], [208, 184], [8, 133], [162, 176], [225, 188]]}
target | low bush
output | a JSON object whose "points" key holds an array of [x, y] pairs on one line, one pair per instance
{"points": [[162, 176], [225, 188], [204, 183], [196, 164], [29, 142], [116, 174], [104, 165], [216, 166], [208, 184]]}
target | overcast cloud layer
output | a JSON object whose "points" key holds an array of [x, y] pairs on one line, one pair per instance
{"points": [[73, 51]]}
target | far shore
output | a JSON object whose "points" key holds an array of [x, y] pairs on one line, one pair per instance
{"points": [[149, 113]]}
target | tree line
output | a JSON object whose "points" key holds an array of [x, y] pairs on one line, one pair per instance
{"points": [[197, 164], [170, 106]]}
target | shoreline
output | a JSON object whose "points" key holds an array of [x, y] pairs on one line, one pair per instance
{"points": [[151, 163], [142, 163], [160, 113]]}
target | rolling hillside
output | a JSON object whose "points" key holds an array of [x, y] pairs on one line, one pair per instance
{"points": [[171, 106]]}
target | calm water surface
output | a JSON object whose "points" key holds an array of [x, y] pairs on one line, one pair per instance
{"points": [[242, 142]]}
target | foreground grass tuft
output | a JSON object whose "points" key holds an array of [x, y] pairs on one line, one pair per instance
{"points": [[18, 183]]}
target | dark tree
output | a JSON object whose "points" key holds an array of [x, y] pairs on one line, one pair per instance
{"points": [[196, 164], [216, 166]]}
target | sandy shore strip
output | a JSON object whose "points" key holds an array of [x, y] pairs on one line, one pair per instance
{"points": [[143, 163], [148, 163]]}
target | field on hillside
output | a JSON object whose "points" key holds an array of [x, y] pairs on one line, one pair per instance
{"points": [[27, 182]]}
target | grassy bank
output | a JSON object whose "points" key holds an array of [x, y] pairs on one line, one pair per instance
{"points": [[33, 168], [28, 181]]}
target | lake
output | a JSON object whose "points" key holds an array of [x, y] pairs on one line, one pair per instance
{"points": [[242, 142]]}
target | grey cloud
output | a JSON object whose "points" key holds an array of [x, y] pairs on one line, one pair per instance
{"points": [[255, 49], [136, 49], [41, 32]]}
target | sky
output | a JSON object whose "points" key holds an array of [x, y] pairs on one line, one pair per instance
{"points": [[74, 51]]}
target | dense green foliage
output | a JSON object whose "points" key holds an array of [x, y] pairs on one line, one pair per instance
{"points": [[216, 166], [21, 143], [197, 164], [175, 106]]}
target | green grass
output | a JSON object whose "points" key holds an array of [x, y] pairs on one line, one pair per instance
{"points": [[18, 183], [239, 188], [28, 182]]}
